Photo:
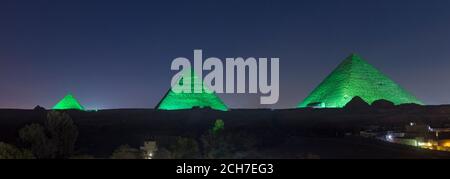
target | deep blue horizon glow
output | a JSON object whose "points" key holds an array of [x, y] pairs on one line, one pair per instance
{"points": [[117, 54]]}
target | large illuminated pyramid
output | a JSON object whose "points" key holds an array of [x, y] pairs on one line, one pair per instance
{"points": [[68, 103], [355, 77], [189, 100]]}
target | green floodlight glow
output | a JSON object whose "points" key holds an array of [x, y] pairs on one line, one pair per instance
{"points": [[68, 103], [355, 77], [219, 125], [178, 101]]}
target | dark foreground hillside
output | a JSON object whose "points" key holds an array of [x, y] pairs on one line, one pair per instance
{"points": [[296, 133]]}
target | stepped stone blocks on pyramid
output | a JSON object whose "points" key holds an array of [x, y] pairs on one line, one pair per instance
{"points": [[355, 77], [189, 100], [68, 103]]}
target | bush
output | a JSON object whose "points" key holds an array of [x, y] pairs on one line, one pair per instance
{"points": [[55, 140], [35, 138], [8, 151]]}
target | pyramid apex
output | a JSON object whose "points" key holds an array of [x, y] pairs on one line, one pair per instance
{"points": [[353, 56], [68, 102]]}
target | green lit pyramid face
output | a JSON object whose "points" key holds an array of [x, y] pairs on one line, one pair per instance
{"points": [[68, 103], [355, 77], [190, 99]]}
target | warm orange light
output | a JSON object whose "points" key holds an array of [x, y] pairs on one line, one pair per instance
{"points": [[446, 144]]}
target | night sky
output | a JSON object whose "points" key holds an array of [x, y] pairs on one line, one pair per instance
{"points": [[117, 54]]}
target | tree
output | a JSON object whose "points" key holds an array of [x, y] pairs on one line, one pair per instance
{"points": [[56, 139], [8, 151], [219, 125], [63, 133], [184, 148], [214, 141], [215, 146], [219, 143], [126, 152], [34, 137]]}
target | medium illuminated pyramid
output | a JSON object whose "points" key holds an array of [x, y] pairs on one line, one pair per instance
{"points": [[189, 100], [355, 77], [68, 103]]}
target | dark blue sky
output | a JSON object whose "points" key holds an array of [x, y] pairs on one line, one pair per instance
{"points": [[117, 54]]}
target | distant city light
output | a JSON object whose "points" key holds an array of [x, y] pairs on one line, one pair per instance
{"points": [[150, 155], [390, 137]]}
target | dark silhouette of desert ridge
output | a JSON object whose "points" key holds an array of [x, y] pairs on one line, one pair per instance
{"points": [[329, 133]]}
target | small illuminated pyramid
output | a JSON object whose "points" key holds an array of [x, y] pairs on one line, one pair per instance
{"points": [[68, 103], [189, 100], [355, 77]]}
